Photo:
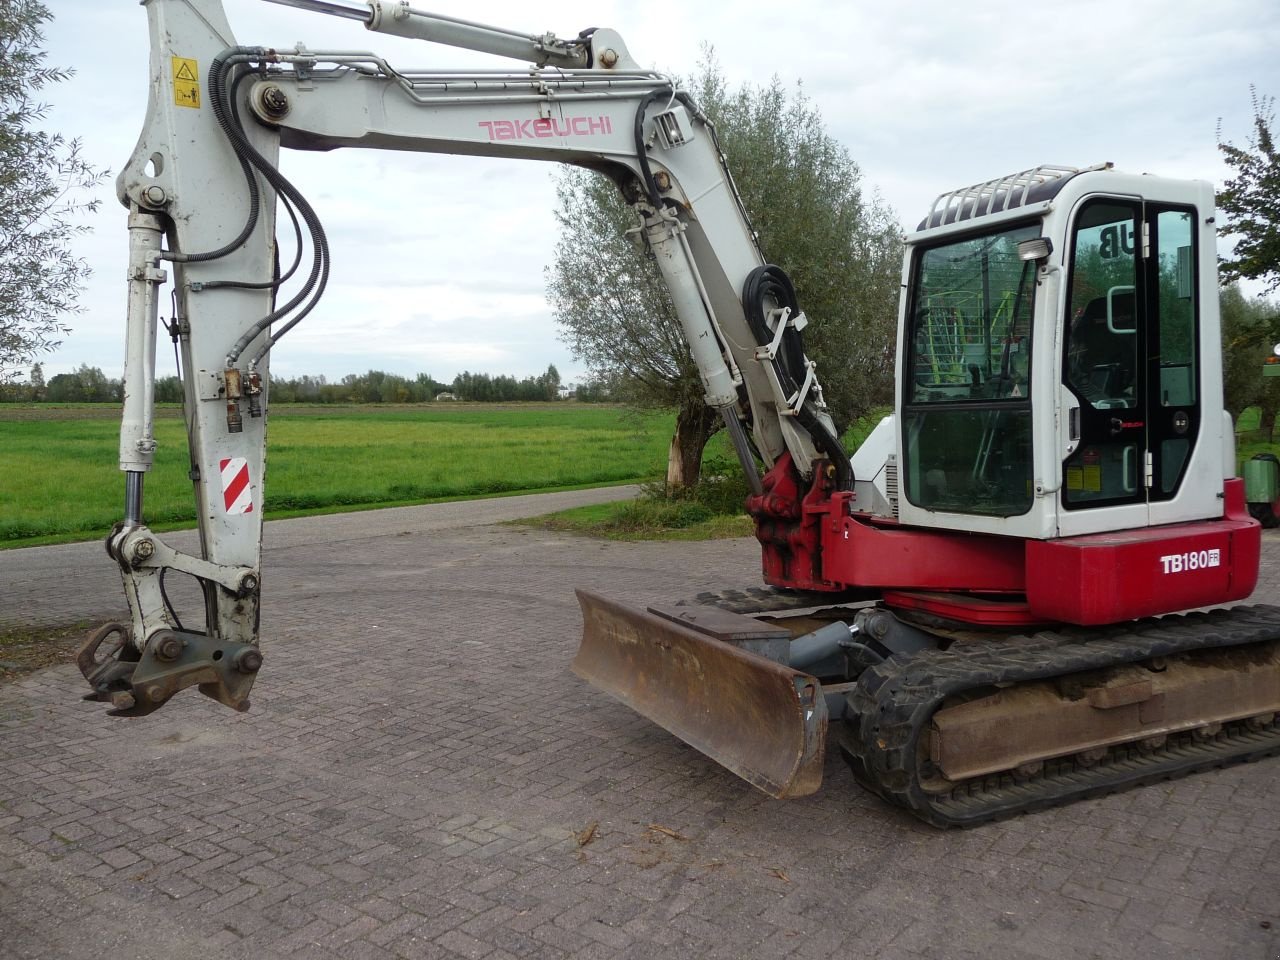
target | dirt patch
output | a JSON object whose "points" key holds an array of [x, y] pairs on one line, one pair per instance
{"points": [[24, 649], [80, 411]]}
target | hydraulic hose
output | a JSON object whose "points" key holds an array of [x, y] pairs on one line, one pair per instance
{"points": [[642, 155], [771, 283], [765, 282], [218, 99], [278, 279], [313, 287], [304, 301]]}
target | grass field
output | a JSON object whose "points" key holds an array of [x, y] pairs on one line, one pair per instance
{"points": [[59, 480], [1248, 440]]}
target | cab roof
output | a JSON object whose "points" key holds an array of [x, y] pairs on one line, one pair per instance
{"points": [[1026, 187]]}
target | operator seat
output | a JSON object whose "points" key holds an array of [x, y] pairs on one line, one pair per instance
{"points": [[1104, 356]]}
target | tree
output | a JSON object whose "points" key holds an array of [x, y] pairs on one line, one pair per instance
{"points": [[169, 390], [549, 384], [594, 390], [1250, 329], [86, 385], [616, 315], [42, 178], [805, 196], [1251, 200]]}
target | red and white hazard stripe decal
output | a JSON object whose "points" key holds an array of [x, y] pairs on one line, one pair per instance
{"points": [[236, 495]]}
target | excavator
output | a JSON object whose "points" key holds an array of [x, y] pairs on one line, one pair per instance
{"points": [[979, 603]]}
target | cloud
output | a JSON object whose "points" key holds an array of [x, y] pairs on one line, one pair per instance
{"points": [[445, 254]]}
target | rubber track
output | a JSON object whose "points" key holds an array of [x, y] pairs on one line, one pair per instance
{"points": [[891, 707]]}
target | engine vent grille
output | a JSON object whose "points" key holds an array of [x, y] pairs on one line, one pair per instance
{"points": [[891, 484]]}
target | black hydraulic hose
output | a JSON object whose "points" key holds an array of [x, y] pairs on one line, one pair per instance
{"points": [[277, 279], [642, 155], [646, 171], [770, 282], [830, 445], [223, 105], [218, 100], [317, 280]]}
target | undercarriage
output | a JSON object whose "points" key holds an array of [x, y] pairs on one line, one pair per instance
{"points": [[975, 728]]}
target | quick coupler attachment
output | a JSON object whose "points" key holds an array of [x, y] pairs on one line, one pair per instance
{"points": [[138, 683]]}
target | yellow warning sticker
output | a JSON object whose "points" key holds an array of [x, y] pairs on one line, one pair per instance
{"points": [[1086, 479], [1092, 479], [186, 82]]}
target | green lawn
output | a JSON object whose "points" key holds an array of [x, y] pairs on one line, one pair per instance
{"points": [[59, 479], [1248, 441]]}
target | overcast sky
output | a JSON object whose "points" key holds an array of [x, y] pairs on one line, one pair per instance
{"points": [[438, 261]]}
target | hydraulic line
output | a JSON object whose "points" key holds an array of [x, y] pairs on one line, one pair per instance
{"points": [[278, 279], [224, 109], [767, 283], [217, 97], [642, 155], [313, 287]]}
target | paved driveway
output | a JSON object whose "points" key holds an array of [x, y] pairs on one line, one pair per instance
{"points": [[420, 776]]}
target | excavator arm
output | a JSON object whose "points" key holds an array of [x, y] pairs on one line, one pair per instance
{"points": [[963, 694], [203, 188]]}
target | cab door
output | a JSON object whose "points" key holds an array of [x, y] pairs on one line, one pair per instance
{"points": [[1175, 413], [1128, 364]]}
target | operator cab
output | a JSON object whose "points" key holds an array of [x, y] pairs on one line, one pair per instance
{"points": [[1058, 373]]}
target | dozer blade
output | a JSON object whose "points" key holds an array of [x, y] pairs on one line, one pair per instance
{"points": [[764, 721]]}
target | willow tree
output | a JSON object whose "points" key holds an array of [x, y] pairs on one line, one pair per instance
{"points": [[1250, 330], [1250, 201], [815, 218], [43, 179]]}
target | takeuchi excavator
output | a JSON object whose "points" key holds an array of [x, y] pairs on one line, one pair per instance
{"points": [[975, 599]]}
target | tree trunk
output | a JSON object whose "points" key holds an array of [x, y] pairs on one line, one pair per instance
{"points": [[694, 427]]}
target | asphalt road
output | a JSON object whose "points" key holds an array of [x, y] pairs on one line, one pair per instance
{"points": [[420, 776]]}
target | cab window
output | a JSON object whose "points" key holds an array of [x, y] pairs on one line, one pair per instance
{"points": [[967, 408]]}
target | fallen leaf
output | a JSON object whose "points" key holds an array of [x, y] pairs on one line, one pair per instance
{"points": [[586, 836], [668, 832], [780, 874]]}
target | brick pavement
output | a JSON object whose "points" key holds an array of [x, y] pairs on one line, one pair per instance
{"points": [[419, 762]]}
